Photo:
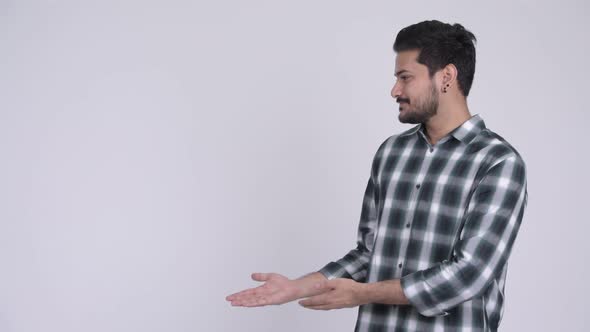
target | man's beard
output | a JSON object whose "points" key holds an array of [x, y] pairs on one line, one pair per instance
{"points": [[424, 109]]}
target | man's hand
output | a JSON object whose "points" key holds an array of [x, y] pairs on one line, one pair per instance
{"points": [[336, 294], [277, 289]]}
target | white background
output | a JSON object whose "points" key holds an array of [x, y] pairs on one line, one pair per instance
{"points": [[155, 153]]}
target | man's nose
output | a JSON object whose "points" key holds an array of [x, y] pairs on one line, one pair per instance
{"points": [[396, 91]]}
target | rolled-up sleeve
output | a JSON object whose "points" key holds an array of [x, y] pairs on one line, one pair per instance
{"points": [[491, 222]]}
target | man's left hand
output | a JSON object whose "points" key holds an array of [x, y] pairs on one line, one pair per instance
{"points": [[339, 293]]}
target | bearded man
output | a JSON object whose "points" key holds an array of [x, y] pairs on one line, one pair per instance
{"points": [[441, 210]]}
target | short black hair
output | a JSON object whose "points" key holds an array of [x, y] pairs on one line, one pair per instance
{"points": [[441, 44]]}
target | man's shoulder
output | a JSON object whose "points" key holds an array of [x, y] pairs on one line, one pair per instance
{"points": [[496, 146]]}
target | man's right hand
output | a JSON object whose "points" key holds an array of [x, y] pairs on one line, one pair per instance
{"points": [[277, 289]]}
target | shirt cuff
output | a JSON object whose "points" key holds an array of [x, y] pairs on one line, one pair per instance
{"points": [[419, 293], [334, 270]]}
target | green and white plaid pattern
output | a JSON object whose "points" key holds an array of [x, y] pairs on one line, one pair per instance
{"points": [[442, 219]]}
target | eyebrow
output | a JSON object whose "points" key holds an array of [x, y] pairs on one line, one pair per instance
{"points": [[401, 72]]}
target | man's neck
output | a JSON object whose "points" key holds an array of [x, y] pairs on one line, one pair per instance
{"points": [[445, 121]]}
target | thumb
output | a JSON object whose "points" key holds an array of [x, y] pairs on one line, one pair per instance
{"points": [[260, 276]]}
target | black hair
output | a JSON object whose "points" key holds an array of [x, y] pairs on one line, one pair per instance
{"points": [[441, 44]]}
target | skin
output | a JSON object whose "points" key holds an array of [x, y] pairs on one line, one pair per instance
{"points": [[435, 101], [414, 84], [277, 289]]}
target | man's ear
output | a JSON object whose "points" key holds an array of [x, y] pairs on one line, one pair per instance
{"points": [[449, 76]]}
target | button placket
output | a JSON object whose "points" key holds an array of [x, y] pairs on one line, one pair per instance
{"points": [[407, 230]]}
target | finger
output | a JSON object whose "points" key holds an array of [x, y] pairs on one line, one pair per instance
{"points": [[234, 295], [241, 301], [250, 291], [261, 276], [246, 292], [251, 302], [257, 302], [256, 291], [317, 300], [250, 294], [322, 307]]}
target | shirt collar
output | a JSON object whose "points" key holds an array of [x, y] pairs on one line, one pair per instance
{"points": [[469, 129], [465, 133]]}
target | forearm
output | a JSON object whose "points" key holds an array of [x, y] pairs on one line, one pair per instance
{"points": [[385, 292], [306, 284], [347, 293]]}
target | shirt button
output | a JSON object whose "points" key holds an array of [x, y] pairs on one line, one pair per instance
{"points": [[408, 225], [418, 186], [399, 265], [431, 149]]}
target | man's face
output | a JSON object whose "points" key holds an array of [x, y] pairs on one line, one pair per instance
{"points": [[415, 92]]}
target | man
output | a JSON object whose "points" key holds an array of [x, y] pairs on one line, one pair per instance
{"points": [[441, 211]]}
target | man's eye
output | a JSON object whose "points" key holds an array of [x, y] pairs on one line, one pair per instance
{"points": [[404, 78]]}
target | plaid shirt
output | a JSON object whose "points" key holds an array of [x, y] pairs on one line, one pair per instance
{"points": [[442, 219]]}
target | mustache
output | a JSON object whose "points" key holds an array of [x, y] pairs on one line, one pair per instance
{"points": [[403, 100]]}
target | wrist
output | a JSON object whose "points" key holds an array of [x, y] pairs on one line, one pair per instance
{"points": [[300, 288], [364, 293], [305, 286]]}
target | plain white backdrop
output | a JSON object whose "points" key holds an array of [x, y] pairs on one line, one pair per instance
{"points": [[155, 153]]}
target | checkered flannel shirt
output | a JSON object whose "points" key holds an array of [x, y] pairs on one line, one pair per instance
{"points": [[443, 219]]}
